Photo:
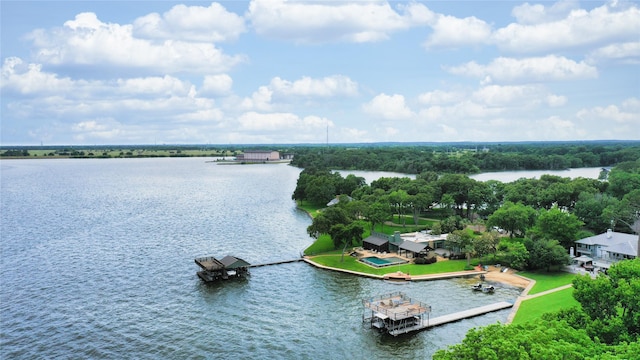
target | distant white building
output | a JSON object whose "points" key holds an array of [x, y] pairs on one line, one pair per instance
{"points": [[607, 248], [259, 156]]}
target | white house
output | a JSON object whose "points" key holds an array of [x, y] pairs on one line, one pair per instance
{"points": [[607, 248]]}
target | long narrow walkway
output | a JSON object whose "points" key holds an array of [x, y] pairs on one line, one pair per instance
{"points": [[445, 319]]}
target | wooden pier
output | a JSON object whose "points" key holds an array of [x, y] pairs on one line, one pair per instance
{"points": [[398, 314], [445, 319], [276, 263]]}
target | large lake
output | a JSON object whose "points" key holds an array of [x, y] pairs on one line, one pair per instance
{"points": [[97, 262], [502, 176]]}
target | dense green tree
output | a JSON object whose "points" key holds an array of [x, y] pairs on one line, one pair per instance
{"points": [[514, 218], [399, 200], [346, 235], [624, 178], [350, 184], [322, 223], [487, 243], [590, 209], [458, 187], [523, 191], [544, 254], [612, 302], [355, 208], [451, 224], [556, 224], [377, 213], [533, 340], [320, 190], [462, 241], [515, 254]]}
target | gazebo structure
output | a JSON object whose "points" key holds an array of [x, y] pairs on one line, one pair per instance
{"points": [[225, 268]]}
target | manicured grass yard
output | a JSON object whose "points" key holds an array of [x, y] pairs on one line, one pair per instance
{"points": [[534, 308], [547, 280], [351, 263]]}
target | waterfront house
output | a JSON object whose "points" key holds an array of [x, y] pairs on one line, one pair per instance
{"points": [[605, 249]]}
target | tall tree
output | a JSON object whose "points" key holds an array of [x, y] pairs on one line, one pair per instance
{"points": [[556, 224], [514, 218], [377, 213], [331, 216], [463, 241]]}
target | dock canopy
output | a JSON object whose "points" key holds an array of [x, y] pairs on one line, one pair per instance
{"points": [[231, 262], [375, 243]]}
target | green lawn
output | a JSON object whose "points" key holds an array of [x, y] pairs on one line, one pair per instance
{"points": [[534, 308], [547, 280], [351, 263]]}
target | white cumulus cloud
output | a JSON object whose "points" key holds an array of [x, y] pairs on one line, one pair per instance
{"points": [[388, 107], [604, 24], [216, 85], [319, 22], [546, 68], [90, 42], [529, 14], [191, 23], [451, 32], [329, 86]]}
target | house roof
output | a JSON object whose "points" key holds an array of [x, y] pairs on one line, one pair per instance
{"points": [[231, 262], [375, 240], [626, 248], [608, 239], [336, 200], [412, 246]]}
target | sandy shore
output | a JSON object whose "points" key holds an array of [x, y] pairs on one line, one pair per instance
{"points": [[508, 277]]}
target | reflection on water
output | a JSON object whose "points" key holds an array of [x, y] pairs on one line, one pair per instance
{"points": [[97, 262]]}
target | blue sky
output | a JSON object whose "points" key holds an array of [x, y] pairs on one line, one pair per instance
{"points": [[277, 71]]}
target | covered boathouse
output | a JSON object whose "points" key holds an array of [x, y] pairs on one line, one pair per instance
{"points": [[225, 268], [395, 313]]}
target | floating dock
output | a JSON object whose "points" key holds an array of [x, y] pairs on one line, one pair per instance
{"points": [[398, 314]]}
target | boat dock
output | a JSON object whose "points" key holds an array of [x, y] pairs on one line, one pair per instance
{"points": [[398, 314]]}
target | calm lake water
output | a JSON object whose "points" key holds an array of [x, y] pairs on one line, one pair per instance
{"points": [[97, 262], [502, 176]]}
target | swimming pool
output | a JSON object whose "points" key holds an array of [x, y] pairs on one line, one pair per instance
{"points": [[382, 262]]}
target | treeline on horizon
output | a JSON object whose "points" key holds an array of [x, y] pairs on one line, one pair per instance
{"points": [[468, 158], [409, 158]]}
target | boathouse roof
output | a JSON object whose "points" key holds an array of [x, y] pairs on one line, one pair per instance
{"points": [[231, 262]]}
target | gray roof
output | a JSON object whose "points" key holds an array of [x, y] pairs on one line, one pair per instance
{"points": [[375, 240], [608, 239], [412, 246], [231, 262], [625, 248]]}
